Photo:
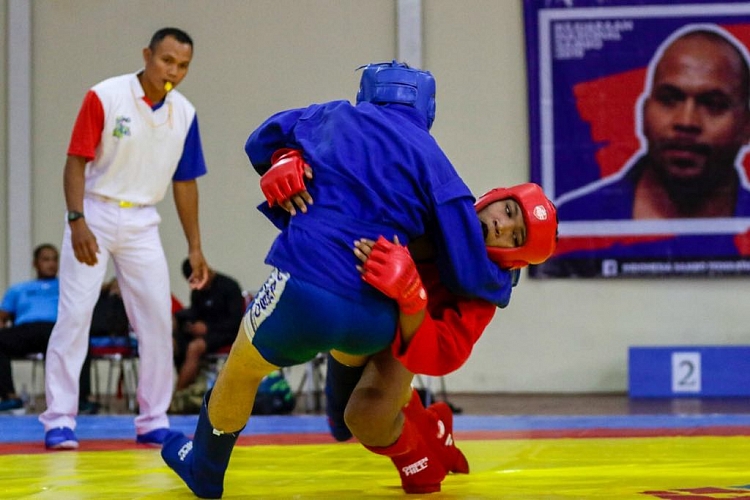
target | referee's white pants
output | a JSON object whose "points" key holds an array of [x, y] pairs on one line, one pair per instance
{"points": [[131, 237]]}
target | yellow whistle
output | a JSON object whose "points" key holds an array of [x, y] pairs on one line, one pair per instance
{"points": [[168, 86]]}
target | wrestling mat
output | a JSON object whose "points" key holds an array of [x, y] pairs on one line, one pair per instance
{"points": [[612, 457]]}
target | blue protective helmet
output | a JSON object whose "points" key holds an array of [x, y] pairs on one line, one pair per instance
{"points": [[396, 82]]}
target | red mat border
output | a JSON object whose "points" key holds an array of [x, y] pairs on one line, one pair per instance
{"points": [[324, 438]]}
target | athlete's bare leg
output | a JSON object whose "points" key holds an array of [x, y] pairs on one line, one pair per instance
{"points": [[374, 410], [202, 461], [233, 395]]}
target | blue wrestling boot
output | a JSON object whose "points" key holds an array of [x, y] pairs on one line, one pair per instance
{"points": [[202, 462], [340, 383]]}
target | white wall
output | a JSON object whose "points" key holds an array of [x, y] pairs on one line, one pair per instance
{"points": [[254, 57]]}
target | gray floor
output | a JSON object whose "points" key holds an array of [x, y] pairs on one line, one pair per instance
{"points": [[592, 404]]}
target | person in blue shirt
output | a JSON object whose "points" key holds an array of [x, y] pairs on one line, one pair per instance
{"points": [[377, 172], [27, 314]]}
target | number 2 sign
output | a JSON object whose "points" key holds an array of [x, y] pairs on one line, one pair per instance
{"points": [[686, 372]]}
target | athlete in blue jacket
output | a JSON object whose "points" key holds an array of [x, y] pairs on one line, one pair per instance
{"points": [[377, 171]]}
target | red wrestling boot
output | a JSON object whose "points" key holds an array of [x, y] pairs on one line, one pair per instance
{"points": [[419, 467], [436, 426]]}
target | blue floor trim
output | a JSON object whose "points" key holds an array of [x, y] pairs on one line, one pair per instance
{"points": [[21, 429], [27, 428]]}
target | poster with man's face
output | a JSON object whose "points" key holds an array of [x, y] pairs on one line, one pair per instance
{"points": [[639, 132]]}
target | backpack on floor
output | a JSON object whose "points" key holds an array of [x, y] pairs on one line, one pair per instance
{"points": [[275, 396]]}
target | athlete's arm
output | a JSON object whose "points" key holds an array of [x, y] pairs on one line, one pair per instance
{"points": [[433, 341], [445, 338], [277, 132], [389, 268]]}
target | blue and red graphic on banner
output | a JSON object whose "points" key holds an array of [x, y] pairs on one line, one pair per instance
{"points": [[639, 126]]}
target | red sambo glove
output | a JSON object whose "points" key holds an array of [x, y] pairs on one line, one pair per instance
{"points": [[390, 269], [285, 178]]}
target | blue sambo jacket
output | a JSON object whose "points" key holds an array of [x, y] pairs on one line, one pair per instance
{"points": [[377, 171]]}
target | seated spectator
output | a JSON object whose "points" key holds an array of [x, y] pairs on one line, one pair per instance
{"points": [[208, 324], [110, 327], [27, 314], [109, 318]]}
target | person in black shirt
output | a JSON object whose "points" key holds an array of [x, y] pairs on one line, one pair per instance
{"points": [[210, 323]]}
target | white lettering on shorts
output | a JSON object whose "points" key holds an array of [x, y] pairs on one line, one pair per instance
{"points": [[264, 302]]}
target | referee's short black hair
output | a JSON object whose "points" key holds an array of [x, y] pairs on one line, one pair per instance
{"points": [[176, 33]]}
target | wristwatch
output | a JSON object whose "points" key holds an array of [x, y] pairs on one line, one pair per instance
{"points": [[73, 215]]}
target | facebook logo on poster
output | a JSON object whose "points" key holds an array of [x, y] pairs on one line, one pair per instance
{"points": [[609, 268]]}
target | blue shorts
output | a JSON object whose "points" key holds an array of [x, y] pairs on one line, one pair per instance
{"points": [[291, 321]]}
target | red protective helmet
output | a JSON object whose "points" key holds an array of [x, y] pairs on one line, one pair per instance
{"points": [[540, 216]]}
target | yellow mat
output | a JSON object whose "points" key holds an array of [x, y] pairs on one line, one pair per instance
{"points": [[642, 468]]}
